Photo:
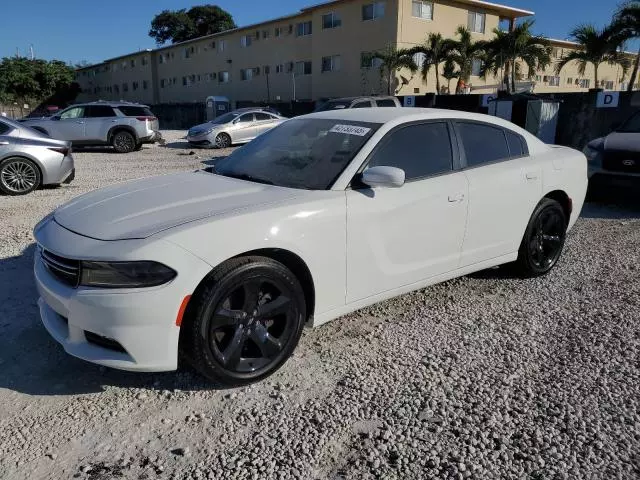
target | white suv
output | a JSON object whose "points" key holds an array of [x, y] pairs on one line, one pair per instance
{"points": [[125, 126]]}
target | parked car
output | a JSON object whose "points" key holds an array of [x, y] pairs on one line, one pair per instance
{"points": [[312, 220], [237, 127], [29, 159], [125, 126], [616, 156], [358, 102]]}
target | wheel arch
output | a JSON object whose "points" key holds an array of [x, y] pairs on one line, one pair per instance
{"points": [[564, 200], [118, 128]]}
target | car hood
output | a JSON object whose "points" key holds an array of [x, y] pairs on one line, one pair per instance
{"points": [[142, 208], [203, 127], [621, 141]]}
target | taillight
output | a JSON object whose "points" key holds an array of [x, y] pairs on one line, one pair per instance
{"points": [[63, 150], [142, 119]]}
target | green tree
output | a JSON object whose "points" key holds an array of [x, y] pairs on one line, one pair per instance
{"points": [[393, 60], [505, 49], [463, 52], [180, 25], [449, 72], [596, 47], [436, 50], [626, 26]]}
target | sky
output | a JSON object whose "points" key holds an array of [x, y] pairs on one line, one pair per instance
{"points": [[95, 30]]}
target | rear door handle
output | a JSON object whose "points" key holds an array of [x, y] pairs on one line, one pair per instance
{"points": [[456, 198], [531, 175]]}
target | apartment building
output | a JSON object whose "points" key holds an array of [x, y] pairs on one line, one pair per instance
{"points": [[320, 52]]}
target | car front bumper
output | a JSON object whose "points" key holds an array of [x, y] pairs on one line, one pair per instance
{"points": [[128, 329], [202, 140]]}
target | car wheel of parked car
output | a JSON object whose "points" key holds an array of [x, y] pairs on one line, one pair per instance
{"points": [[223, 140], [123, 142], [19, 176], [543, 240], [246, 322]]}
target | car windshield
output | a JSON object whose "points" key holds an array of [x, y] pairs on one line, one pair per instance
{"points": [[306, 153], [632, 125], [226, 118], [333, 105]]}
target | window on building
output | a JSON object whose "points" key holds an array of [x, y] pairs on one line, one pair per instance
{"points": [[265, 34], [331, 64], [161, 58], [277, 32], [304, 28], [256, 71], [554, 81], [419, 59], [372, 11], [145, 61], [222, 45], [585, 83], [476, 22], [280, 68], [303, 68], [125, 87], [98, 111], [331, 20], [266, 69], [367, 60], [290, 30], [257, 35], [246, 74], [124, 65], [476, 67], [569, 81], [133, 62], [483, 143], [422, 9], [163, 82], [290, 66], [116, 88], [213, 45], [245, 40], [416, 161], [134, 86], [608, 85]]}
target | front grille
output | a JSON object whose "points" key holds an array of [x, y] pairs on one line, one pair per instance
{"points": [[621, 161], [64, 269], [104, 342]]}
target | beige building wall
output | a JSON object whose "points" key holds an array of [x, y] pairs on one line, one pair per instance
{"points": [[191, 71]]}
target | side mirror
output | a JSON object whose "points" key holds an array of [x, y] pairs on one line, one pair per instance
{"points": [[391, 177], [55, 117]]}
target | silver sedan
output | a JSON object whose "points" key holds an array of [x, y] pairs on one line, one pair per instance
{"points": [[237, 127], [29, 159]]}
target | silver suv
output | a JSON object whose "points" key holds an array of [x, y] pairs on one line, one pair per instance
{"points": [[125, 126]]}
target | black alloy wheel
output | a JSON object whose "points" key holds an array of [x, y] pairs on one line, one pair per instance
{"points": [[123, 142], [543, 240], [247, 322]]}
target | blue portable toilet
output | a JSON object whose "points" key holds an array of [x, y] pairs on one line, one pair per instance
{"points": [[217, 106]]}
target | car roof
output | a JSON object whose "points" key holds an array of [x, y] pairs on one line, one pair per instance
{"points": [[351, 99], [111, 104], [400, 115]]}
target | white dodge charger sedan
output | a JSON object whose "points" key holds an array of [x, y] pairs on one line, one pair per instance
{"points": [[324, 214]]}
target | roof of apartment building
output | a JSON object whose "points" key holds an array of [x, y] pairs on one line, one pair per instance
{"points": [[502, 10]]}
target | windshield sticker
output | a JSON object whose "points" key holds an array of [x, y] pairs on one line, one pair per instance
{"points": [[350, 130]]}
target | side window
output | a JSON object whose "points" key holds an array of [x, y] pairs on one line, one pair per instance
{"points": [[387, 102], [260, 117], [98, 111], [420, 150], [365, 104], [483, 143], [246, 118], [75, 112], [516, 144], [4, 128]]}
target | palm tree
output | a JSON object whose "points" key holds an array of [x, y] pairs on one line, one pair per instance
{"points": [[626, 26], [506, 48], [463, 52], [596, 47], [393, 60], [436, 50], [449, 72]]}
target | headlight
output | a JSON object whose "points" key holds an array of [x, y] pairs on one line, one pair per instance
{"points": [[125, 274], [590, 152]]}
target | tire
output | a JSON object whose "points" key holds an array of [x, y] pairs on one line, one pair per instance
{"points": [[245, 323], [123, 142], [543, 240], [223, 140], [19, 176]]}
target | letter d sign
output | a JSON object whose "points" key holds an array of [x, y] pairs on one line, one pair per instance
{"points": [[607, 99]]}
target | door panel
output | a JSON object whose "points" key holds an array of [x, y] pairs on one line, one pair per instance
{"points": [[71, 125], [245, 129], [400, 236], [98, 120]]}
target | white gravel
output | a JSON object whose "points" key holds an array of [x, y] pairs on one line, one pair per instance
{"points": [[481, 377]]}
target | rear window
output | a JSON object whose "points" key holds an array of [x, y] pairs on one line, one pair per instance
{"points": [[131, 111], [98, 111], [386, 102]]}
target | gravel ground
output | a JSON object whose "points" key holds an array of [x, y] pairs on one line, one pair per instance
{"points": [[482, 377]]}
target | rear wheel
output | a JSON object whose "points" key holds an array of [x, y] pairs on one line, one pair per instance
{"points": [[123, 142], [19, 176], [223, 140], [543, 240], [246, 322]]}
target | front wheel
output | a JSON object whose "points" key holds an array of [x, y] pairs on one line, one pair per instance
{"points": [[543, 240], [19, 176], [223, 141], [246, 322]]}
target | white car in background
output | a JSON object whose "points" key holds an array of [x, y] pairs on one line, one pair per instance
{"points": [[323, 215]]}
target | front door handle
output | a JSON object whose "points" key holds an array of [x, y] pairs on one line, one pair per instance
{"points": [[80, 123], [531, 175], [456, 198]]}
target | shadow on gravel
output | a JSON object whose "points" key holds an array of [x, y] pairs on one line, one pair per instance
{"points": [[182, 145], [32, 363]]}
